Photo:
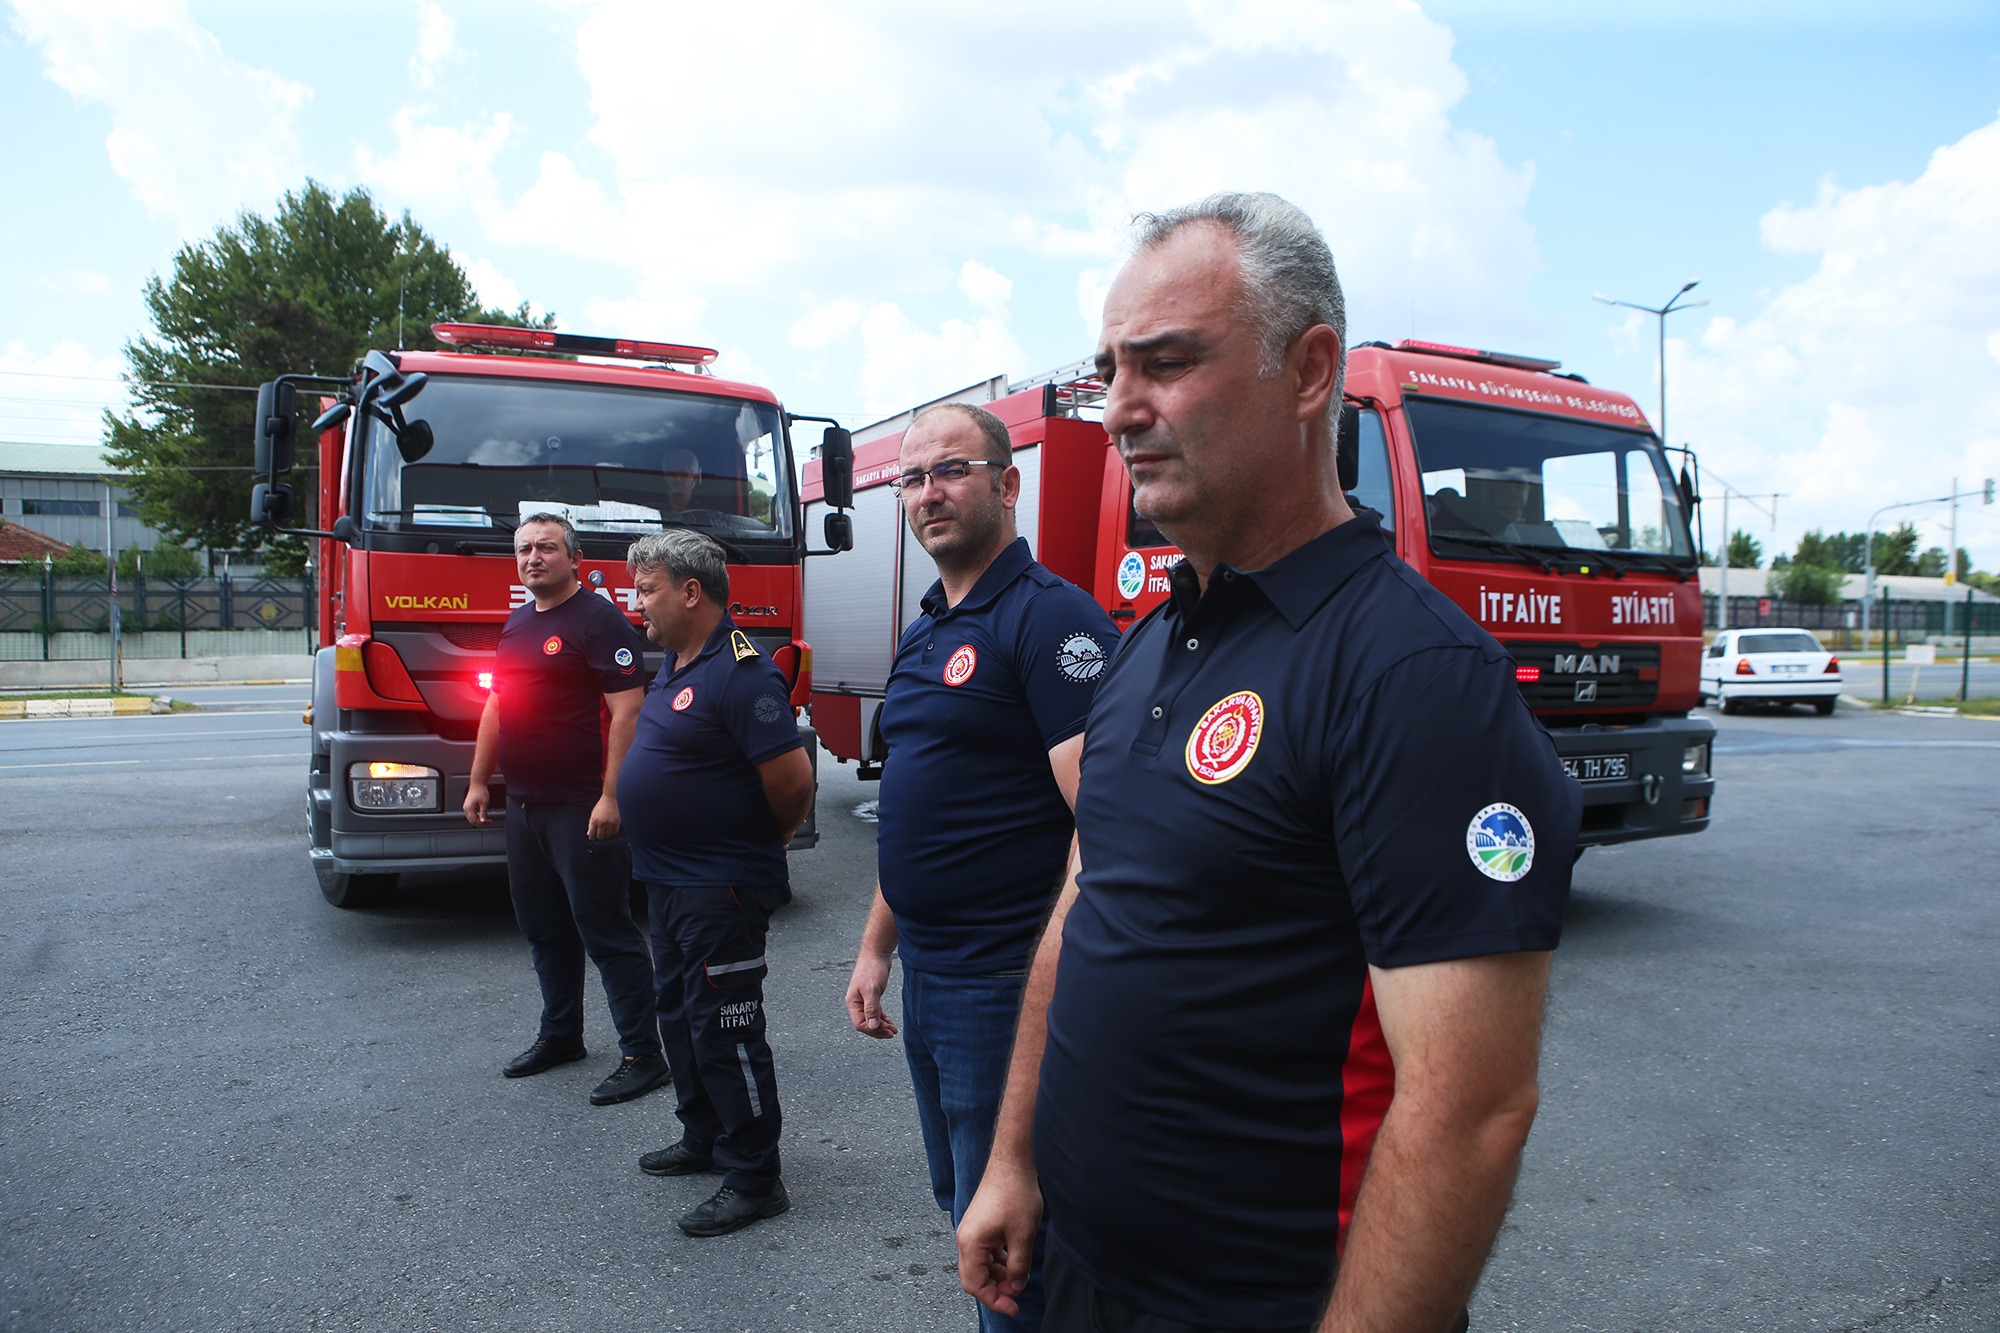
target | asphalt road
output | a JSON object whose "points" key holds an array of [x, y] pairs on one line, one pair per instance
{"points": [[1769, 1092]]}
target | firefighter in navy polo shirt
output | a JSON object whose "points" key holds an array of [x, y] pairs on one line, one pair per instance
{"points": [[564, 660], [717, 781], [1277, 1058], [984, 721]]}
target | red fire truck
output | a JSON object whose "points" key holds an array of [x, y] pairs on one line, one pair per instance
{"points": [[427, 462], [1543, 506]]}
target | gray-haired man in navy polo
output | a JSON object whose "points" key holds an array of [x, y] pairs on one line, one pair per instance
{"points": [[716, 780], [984, 718], [1277, 1059]]}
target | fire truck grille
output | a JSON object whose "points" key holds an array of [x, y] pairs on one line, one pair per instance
{"points": [[473, 638], [1603, 676]]}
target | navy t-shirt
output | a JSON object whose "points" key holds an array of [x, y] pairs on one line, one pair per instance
{"points": [[974, 834], [1314, 768], [550, 674], [690, 794]]}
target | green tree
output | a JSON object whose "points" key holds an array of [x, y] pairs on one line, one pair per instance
{"points": [[307, 290], [1810, 585], [1745, 551], [78, 561], [1896, 551], [165, 561], [1931, 563], [1824, 552]]}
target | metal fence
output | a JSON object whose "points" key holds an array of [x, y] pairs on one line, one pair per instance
{"points": [[55, 618], [1839, 625]]}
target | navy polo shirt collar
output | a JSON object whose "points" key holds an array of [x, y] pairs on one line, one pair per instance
{"points": [[717, 638], [1299, 583], [1009, 565]]}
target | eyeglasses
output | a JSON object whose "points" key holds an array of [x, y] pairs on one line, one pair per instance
{"points": [[952, 469]]}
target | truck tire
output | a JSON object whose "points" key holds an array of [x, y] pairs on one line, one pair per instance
{"points": [[1824, 707], [350, 891]]}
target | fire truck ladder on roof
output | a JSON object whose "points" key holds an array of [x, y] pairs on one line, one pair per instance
{"points": [[1077, 387]]}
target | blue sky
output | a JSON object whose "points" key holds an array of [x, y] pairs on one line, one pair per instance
{"points": [[867, 205]]}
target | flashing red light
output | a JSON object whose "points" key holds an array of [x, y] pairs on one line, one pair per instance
{"points": [[1527, 675], [486, 680], [546, 340], [1832, 666], [1743, 667]]}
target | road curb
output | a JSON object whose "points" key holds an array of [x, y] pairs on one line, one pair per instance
{"points": [[29, 709]]}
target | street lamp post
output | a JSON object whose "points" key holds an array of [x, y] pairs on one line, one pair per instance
{"points": [[1674, 303]]}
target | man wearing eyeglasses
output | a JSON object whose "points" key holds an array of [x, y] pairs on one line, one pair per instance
{"points": [[983, 719]]}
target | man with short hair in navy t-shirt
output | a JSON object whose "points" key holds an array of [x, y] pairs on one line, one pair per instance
{"points": [[565, 660], [717, 780], [1277, 1057], [983, 717]]}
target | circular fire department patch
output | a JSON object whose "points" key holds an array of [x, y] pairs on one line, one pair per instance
{"points": [[1223, 742], [958, 669], [552, 645], [623, 657], [683, 699]]}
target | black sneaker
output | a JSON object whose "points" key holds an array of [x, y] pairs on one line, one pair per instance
{"points": [[546, 1053], [635, 1076], [679, 1160], [732, 1210]]}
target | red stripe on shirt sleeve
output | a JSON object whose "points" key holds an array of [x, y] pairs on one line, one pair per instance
{"points": [[1367, 1082]]}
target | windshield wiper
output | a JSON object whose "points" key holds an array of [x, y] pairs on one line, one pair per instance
{"points": [[1527, 555]]}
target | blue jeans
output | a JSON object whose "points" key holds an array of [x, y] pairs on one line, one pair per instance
{"points": [[958, 1033]]}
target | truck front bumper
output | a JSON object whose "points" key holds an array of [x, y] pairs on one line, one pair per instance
{"points": [[1658, 795]]}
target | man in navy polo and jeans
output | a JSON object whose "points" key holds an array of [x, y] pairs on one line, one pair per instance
{"points": [[565, 659], [984, 721], [1277, 1057], [716, 781]]}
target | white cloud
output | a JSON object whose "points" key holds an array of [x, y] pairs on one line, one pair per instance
{"points": [[1870, 381], [903, 364], [814, 159], [436, 166], [75, 282], [196, 135], [436, 43], [57, 396], [494, 287]]}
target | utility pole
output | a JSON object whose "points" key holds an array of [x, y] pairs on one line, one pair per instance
{"points": [[1660, 312], [1722, 608]]}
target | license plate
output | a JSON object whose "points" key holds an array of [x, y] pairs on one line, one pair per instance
{"points": [[1787, 669], [1598, 767]]}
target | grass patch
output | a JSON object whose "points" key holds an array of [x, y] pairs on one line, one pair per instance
{"points": [[1981, 707]]}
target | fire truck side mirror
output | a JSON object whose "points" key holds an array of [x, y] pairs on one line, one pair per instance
{"points": [[277, 411], [333, 416], [1347, 446], [836, 470], [839, 532], [1688, 498], [271, 504]]}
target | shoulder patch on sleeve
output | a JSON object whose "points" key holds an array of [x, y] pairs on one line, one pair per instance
{"points": [[739, 644]]}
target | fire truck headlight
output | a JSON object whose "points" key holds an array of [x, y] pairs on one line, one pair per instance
{"points": [[394, 787], [1694, 760]]}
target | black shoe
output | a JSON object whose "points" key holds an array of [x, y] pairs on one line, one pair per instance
{"points": [[635, 1076], [546, 1053], [679, 1160], [732, 1210]]}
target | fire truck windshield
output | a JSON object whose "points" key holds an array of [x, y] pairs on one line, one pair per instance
{"points": [[1501, 484], [616, 460]]}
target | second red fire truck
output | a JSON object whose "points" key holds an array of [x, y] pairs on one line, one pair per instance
{"points": [[1542, 505]]}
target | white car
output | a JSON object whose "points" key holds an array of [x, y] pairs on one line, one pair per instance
{"points": [[1775, 666]]}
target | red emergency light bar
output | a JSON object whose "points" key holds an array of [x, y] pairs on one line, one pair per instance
{"points": [[1527, 675], [544, 340], [1477, 354]]}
